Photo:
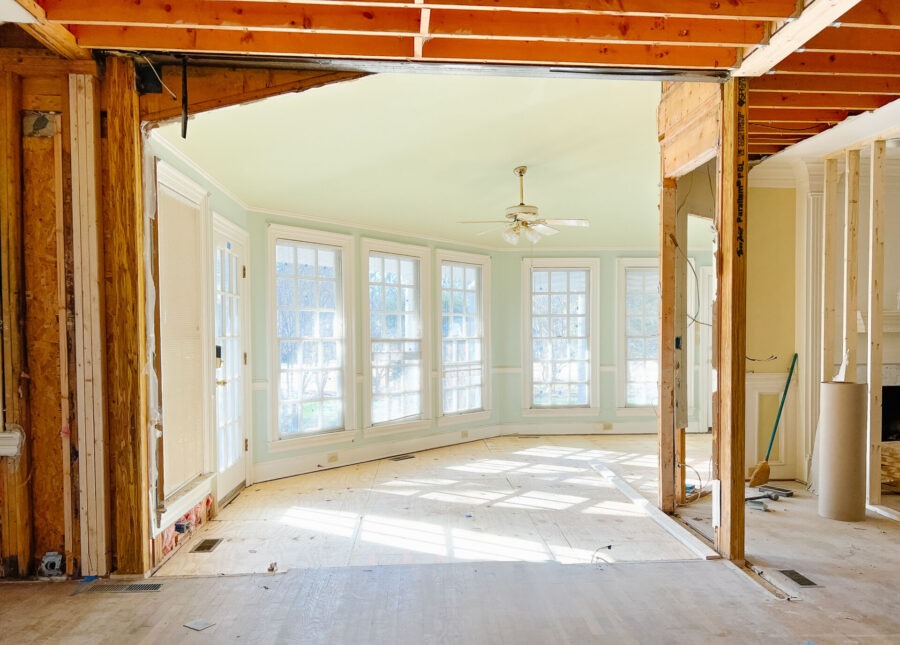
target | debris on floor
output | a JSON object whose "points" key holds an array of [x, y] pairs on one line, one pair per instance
{"points": [[198, 624]]}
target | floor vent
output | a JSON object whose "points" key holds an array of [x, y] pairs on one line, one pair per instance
{"points": [[798, 578], [136, 587], [403, 457], [205, 546]]}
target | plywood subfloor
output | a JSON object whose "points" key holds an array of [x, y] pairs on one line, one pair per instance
{"points": [[533, 499]]}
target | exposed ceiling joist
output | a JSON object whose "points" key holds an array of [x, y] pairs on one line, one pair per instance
{"points": [[821, 83], [51, 35], [793, 34]]}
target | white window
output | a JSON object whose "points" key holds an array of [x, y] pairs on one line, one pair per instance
{"points": [[395, 311], [561, 296], [311, 365], [638, 364], [464, 281]]}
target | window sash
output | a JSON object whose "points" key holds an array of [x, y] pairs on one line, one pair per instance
{"points": [[639, 367], [308, 328], [395, 337], [462, 337], [561, 369]]}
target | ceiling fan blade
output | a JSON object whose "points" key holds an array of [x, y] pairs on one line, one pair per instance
{"points": [[542, 228], [567, 222], [490, 230]]}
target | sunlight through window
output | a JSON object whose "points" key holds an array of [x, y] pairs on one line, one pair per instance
{"points": [[332, 522]]}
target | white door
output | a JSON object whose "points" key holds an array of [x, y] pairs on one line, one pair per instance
{"points": [[232, 442]]}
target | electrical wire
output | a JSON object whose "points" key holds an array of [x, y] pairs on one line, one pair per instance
{"points": [[158, 77]]}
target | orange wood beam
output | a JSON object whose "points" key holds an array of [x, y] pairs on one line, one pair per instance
{"points": [[765, 148], [42, 62], [855, 39], [338, 18], [879, 13], [574, 27], [807, 100], [624, 55], [243, 42], [770, 128], [831, 84], [837, 63], [275, 16], [51, 35], [788, 115]]}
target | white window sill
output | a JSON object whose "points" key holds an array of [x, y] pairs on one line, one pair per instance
{"points": [[184, 500], [396, 428], [323, 439], [560, 412], [465, 417], [647, 411]]}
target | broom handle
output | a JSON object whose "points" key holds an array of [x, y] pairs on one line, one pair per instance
{"points": [[781, 406]]}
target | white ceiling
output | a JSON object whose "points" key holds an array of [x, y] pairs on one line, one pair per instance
{"points": [[416, 154]]}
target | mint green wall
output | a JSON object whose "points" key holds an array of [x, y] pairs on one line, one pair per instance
{"points": [[506, 326]]}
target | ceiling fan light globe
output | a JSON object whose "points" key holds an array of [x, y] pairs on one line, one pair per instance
{"points": [[532, 236], [511, 236]]}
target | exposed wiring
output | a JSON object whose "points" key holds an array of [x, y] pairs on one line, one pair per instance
{"points": [[158, 77], [767, 359], [781, 129]]}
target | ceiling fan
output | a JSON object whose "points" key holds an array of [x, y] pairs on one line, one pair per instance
{"points": [[522, 219]]}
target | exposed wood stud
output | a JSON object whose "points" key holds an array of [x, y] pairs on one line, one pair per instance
{"points": [[851, 258], [731, 305], [829, 267], [875, 357], [123, 252], [666, 431], [52, 35], [89, 335], [15, 493]]}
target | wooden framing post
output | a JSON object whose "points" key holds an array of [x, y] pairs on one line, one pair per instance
{"points": [[876, 300], [123, 251], [829, 270], [666, 432], [89, 336], [731, 303], [851, 259], [15, 491]]}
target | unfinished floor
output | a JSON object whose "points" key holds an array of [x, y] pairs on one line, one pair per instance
{"points": [[684, 601]]}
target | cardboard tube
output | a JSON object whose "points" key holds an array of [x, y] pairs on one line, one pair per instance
{"points": [[842, 451]]}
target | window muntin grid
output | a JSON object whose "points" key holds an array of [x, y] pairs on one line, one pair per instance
{"points": [[462, 338], [641, 320]]}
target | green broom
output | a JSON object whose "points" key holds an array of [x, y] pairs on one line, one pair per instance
{"points": [[760, 474]]}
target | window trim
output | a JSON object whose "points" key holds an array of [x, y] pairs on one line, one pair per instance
{"points": [[484, 262], [622, 265], [593, 267], [423, 255], [275, 232]]}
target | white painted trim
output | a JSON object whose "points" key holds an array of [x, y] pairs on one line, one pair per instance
{"points": [[184, 500], [260, 385], [506, 370], [771, 384], [423, 255], [484, 263], [450, 420], [301, 464], [170, 149], [291, 444], [543, 413], [347, 247], [593, 267], [884, 511], [673, 528]]}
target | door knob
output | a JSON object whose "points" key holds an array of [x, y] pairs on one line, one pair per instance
{"points": [[221, 382]]}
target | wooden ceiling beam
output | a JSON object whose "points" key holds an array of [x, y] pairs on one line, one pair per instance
{"points": [[51, 35], [830, 84], [555, 53], [280, 16], [242, 42], [604, 28], [816, 16], [855, 39], [787, 115], [878, 13], [273, 16], [836, 63], [732, 9], [765, 148], [785, 130], [820, 100]]}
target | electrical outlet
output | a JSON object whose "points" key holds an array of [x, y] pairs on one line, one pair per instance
{"points": [[332, 458], [464, 434]]}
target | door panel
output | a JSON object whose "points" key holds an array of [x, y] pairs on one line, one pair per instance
{"points": [[231, 379]]}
